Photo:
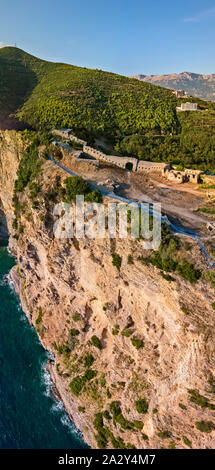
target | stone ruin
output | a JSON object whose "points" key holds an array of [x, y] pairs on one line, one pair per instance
{"points": [[188, 175]]}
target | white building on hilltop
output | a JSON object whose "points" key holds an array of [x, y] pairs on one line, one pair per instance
{"points": [[187, 107]]}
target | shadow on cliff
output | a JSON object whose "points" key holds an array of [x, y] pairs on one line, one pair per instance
{"points": [[4, 232], [17, 81]]}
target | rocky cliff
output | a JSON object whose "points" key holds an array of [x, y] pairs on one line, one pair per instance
{"points": [[134, 352]]}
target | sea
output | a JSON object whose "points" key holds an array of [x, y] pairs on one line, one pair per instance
{"points": [[30, 416]]}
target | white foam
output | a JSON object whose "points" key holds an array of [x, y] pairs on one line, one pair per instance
{"points": [[58, 405], [47, 380], [66, 421]]}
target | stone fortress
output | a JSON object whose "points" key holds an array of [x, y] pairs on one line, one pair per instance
{"points": [[129, 163]]}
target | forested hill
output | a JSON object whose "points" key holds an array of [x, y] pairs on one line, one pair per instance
{"points": [[41, 93], [138, 118]]}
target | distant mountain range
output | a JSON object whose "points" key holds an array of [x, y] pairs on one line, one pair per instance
{"points": [[195, 84]]}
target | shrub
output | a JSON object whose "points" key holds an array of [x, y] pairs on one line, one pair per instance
{"points": [[188, 272], [137, 343], [39, 318], [210, 277], [185, 310], [138, 424], [76, 316], [116, 261], [164, 434], [187, 442], [89, 375], [74, 332], [21, 229], [34, 187], [102, 436], [96, 342], [102, 380], [94, 196], [118, 416], [107, 415], [98, 421], [127, 332], [205, 426], [78, 382], [75, 185], [76, 385], [183, 407], [200, 400], [130, 259], [81, 409], [35, 205], [101, 441], [115, 330], [142, 405], [88, 360], [213, 305], [145, 437], [145, 261]]}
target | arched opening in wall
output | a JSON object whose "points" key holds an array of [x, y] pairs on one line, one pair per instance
{"points": [[129, 166], [4, 233]]}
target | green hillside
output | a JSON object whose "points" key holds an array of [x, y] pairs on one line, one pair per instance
{"points": [[138, 118], [59, 95]]}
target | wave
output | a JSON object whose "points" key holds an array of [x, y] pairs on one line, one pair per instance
{"points": [[47, 380], [66, 421], [58, 406]]}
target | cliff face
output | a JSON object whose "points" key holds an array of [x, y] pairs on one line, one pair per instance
{"points": [[11, 150], [156, 338]]}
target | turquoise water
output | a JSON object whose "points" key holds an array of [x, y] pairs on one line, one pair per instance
{"points": [[29, 416]]}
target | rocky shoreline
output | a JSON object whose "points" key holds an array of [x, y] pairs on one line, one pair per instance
{"points": [[57, 387]]}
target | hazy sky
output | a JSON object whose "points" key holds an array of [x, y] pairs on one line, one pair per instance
{"points": [[123, 36]]}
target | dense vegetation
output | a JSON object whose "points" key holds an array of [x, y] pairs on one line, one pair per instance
{"points": [[60, 95], [138, 118], [168, 258], [76, 185], [194, 145]]}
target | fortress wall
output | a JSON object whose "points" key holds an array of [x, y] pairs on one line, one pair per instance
{"points": [[148, 167], [118, 161], [66, 134], [75, 139]]}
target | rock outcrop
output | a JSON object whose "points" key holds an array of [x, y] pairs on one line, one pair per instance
{"points": [[138, 349]]}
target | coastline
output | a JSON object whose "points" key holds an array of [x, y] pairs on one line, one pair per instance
{"points": [[58, 388]]}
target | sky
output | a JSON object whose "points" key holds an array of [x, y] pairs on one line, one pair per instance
{"points": [[122, 36]]}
